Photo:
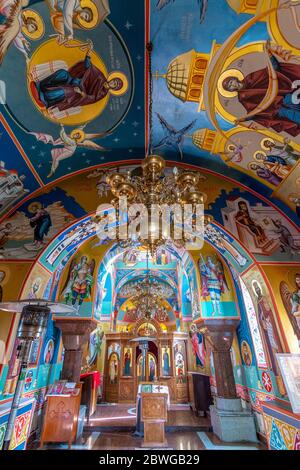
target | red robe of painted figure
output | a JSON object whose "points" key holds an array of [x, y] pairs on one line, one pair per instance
{"points": [[255, 89]]}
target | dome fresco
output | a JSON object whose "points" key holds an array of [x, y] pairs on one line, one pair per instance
{"points": [[47, 141]]}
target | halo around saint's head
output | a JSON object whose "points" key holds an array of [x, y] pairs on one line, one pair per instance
{"points": [[92, 11], [124, 87], [250, 166], [293, 196], [78, 135], [259, 156], [229, 73], [231, 148], [33, 20], [264, 142], [4, 275], [254, 281], [34, 207]]}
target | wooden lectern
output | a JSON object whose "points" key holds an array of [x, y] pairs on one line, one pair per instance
{"points": [[154, 415], [61, 418]]}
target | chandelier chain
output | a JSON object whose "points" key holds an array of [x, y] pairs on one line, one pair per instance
{"points": [[150, 98]]}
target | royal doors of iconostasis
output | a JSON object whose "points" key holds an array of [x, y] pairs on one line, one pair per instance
{"points": [[164, 361]]}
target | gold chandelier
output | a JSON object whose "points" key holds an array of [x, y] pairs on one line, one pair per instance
{"points": [[155, 188]]}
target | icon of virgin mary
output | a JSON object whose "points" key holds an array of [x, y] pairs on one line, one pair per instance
{"points": [[80, 85]]}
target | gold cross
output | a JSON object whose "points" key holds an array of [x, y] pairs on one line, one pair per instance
{"points": [[158, 75]]}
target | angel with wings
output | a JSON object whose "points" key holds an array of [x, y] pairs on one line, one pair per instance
{"points": [[68, 143], [173, 138], [67, 14], [291, 301], [79, 282], [12, 21]]}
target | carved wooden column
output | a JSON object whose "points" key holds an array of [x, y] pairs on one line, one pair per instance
{"points": [[75, 333], [220, 333]]}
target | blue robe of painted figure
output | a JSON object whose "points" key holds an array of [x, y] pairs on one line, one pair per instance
{"points": [[41, 223]]}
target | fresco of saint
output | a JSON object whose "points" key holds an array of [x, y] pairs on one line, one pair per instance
{"points": [[113, 368], [79, 282], [213, 282], [285, 153], [243, 217], [282, 115], [41, 222], [166, 362], [127, 363], [198, 345], [151, 369], [268, 326], [65, 14], [291, 301], [80, 85]]}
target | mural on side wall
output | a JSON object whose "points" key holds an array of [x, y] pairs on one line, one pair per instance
{"points": [[291, 300], [261, 229], [77, 289], [93, 349], [285, 282], [198, 347], [216, 287], [268, 323], [29, 229], [36, 283]]}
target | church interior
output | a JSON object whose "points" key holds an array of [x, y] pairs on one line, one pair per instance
{"points": [[178, 338]]}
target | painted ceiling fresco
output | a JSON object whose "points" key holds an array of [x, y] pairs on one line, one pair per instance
{"points": [[75, 90], [80, 98]]}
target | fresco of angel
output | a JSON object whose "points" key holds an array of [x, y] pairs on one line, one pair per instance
{"points": [[68, 143], [14, 21], [291, 301], [79, 282], [173, 138], [213, 282], [69, 14]]}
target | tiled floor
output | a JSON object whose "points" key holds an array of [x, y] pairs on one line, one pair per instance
{"points": [[125, 416], [175, 441], [112, 428]]}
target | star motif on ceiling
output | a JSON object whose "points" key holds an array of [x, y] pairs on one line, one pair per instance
{"points": [[42, 154], [130, 150], [135, 123], [88, 161], [116, 139], [128, 25], [139, 108], [33, 147], [135, 134], [139, 57]]}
